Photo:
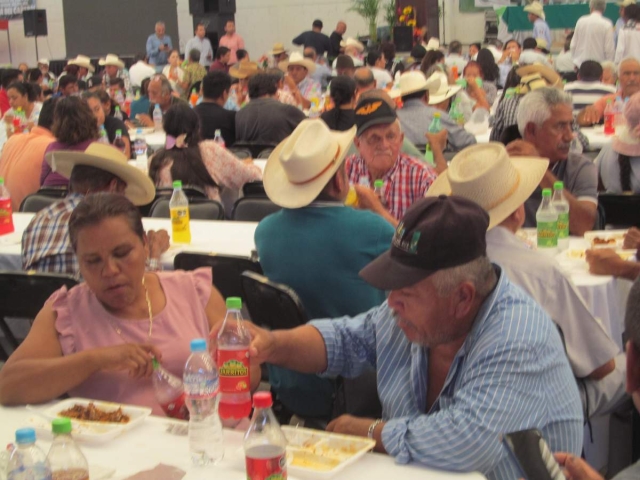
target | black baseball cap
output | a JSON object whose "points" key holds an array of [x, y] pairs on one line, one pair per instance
{"points": [[436, 233], [371, 112]]}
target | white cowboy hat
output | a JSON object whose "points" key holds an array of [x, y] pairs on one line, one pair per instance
{"points": [[432, 44], [82, 61], [487, 175], [296, 58], [541, 43], [535, 8], [303, 163], [43, 61], [626, 3], [112, 61], [440, 89], [278, 48], [413, 81], [352, 42], [140, 189], [537, 76]]}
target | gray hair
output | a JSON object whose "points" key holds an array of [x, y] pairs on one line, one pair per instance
{"points": [[535, 107], [160, 23], [626, 60], [609, 65], [632, 315], [599, 5], [164, 83], [479, 272]]}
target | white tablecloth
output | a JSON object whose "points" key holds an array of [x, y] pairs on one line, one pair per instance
{"points": [[149, 444], [222, 237]]}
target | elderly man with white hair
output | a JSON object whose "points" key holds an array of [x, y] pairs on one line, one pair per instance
{"points": [[545, 122], [609, 73], [593, 36], [158, 47]]}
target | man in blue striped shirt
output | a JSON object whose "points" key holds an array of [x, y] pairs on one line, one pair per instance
{"points": [[462, 354]]}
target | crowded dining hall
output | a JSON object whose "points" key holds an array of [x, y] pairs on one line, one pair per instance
{"points": [[381, 239]]}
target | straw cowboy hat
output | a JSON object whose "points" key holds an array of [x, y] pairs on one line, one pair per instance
{"points": [[537, 76], [111, 60], [487, 175], [244, 70], [626, 3], [296, 58], [536, 9], [278, 48], [140, 189], [82, 61], [432, 44], [303, 163], [440, 89], [352, 42]]}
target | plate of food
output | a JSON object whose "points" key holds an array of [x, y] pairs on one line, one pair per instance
{"points": [[605, 238], [94, 420], [318, 454]]}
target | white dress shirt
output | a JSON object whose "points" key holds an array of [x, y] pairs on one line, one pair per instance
{"points": [[139, 71], [202, 45], [453, 59], [592, 39], [383, 77]]}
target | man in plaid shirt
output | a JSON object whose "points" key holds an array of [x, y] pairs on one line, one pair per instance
{"points": [[379, 141]]}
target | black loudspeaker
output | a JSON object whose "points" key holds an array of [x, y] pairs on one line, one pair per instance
{"points": [[199, 7], [403, 38], [227, 6], [35, 23]]}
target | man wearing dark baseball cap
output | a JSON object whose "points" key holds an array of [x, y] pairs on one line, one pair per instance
{"points": [[462, 355], [379, 138]]}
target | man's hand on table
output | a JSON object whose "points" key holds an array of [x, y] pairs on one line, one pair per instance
{"points": [[632, 239], [604, 261], [589, 116], [576, 468], [350, 425]]}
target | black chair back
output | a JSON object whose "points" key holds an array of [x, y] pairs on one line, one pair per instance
{"points": [[255, 149], [240, 153], [227, 269], [35, 202], [621, 211], [265, 153], [58, 192], [199, 209], [272, 305], [253, 209], [22, 295], [253, 189], [192, 193]]}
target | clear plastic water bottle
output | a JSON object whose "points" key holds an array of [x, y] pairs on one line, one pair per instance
{"points": [[547, 223], [179, 211], [140, 149], [218, 138], [618, 108], [104, 138], [118, 114], [378, 189], [6, 212], [118, 142], [560, 203], [201, 387], [232, 358], [264, 443], [27, 461], [65, 457], [157, 118], [169, 392]]}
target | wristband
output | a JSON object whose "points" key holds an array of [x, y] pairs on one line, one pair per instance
{"points": [[153, 265], [372, 427]]}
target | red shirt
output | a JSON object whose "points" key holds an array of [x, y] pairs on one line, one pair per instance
{"points": [[4, 101]]}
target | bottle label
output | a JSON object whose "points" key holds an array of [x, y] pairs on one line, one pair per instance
{"points": [[274, 468], [563, 225], [180, 224], [177, 408], [233, 366], [6, 216], [547, 234]]}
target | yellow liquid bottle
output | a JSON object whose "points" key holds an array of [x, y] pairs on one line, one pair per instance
{"points": [[179, 208]]}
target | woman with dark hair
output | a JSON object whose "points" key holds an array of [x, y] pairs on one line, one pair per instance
{"points": [[74, 127], [394, 64], [202, 164], [432, 62], [110, 124], [471, 73], [34, 75], [23, 99], [343, 93], [142, 104]]}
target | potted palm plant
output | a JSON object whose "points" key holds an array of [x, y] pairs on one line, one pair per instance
{"points": [[368, 9]]}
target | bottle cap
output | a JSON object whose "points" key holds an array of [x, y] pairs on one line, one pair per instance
{"points": [[234, 303], [118, 132], [25, 435], [61, 425], [155, 363], [117, 109], [1, 181], [558, 185], [262, 400], [378, 184], [177, 184], [198, 345], [546, 192]]}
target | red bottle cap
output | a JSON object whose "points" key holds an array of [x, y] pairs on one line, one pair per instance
{"points": [[262, 400]]}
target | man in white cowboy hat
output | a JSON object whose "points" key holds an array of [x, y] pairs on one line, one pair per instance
{"points": [[158, 47], [298, 81], [622, 19], [545, 122], [501, 184], [84, 64], [100, 168], [43, 66], [540, 26], [419, 97], [201, 43], [352, 48], [114, 68], [306, 175], [379, 140], [314, 38], [593, 36]]}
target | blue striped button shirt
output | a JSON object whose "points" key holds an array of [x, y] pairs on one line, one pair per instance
{"points": [[510, 374]]}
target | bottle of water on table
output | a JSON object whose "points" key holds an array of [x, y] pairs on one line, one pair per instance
{"points": [[157, 118], [27, 461]]}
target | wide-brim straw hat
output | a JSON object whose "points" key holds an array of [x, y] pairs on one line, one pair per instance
{"points": [[352, 42], [487, 175], [549, 75], [535, 8], [302, 164], [278, 48], [82, 61], [111, 60], [440, 89], [244, 70], [626, 3], [296, 58], [411, 82], [140, 189]]}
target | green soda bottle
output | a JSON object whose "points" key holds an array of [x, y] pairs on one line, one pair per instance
{"points": [[434, 127]]}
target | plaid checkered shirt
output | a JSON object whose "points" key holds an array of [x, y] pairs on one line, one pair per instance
{"points": [[405, 183], [309, 88], [46, 246]]}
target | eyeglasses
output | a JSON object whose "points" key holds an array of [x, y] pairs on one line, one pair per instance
{"points": [[374, 140]]}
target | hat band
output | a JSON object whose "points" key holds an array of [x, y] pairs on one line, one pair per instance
{"points": [[322, 172], [511, 191]]}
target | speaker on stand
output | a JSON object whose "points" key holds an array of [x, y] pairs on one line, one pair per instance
{"points": [[35, 25]]}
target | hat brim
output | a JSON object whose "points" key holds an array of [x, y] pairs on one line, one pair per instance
{"points": [[140, 189], [531, 170], [308, 64], [441, 97], [548, 74], [237, 73], [536, 12], [289, 195], [104, 63], [375, 121], [88, 66], [411, 90], [385, 273]]}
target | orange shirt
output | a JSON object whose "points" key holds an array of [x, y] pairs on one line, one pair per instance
{"points": [[21, 162], [601, 103]]}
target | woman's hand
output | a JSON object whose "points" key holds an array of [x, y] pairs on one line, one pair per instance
{"points": [[136, 358]]}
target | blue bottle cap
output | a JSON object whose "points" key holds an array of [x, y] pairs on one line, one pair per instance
{"points": [[25, 435], [198, 345]]}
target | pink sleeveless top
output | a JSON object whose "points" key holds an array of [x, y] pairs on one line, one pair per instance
{"points": [[83, 323]]}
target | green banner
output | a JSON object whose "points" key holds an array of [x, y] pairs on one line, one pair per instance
{"points": [[557, 16]]}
